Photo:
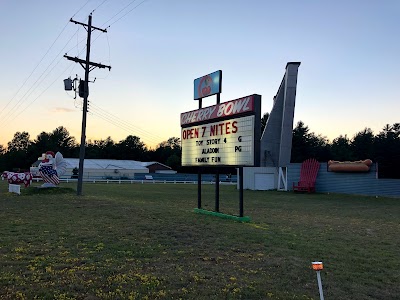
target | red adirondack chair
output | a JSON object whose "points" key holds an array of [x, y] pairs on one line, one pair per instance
{"points": [[308, 175]]}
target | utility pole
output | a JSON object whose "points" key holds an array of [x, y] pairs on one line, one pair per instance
{"points": [[88, 66]]}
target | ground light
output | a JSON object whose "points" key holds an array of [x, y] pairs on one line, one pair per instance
{"points": [[318, 266]]}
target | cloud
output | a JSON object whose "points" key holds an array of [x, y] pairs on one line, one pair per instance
{"points": [[62, 110]]}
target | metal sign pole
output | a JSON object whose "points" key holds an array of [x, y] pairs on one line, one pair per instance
{"points": [[217, 173], [199, 173], [318, 266], [321, 293], [217, 191], [240, 191]]}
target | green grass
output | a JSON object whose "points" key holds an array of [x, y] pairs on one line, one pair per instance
{"points": [[145, 242]]}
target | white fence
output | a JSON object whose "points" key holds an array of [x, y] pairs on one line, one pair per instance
{"points": [[121, 181]]}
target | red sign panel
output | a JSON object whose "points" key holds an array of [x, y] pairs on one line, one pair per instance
{"points": [[221, 110]]}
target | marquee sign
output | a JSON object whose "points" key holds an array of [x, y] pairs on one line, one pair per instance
{"points": [[229, 142], [226, 134], [226, 109]]}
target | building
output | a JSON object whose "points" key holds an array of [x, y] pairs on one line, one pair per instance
{"points": [[109, 168]]}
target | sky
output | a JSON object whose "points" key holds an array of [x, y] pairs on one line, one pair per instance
{"points": [[348, 79]]}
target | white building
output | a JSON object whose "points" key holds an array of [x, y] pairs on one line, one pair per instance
{"points": [[109, 168]]}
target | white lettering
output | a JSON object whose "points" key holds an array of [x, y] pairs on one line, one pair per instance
{"points": [[228, 109], [220, 110], [211, 111], [241, 104], [224, 109]]}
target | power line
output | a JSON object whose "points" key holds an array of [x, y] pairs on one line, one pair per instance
{"points": [[118, 122], [109, 55], [34, 86], [19, 103], [124, 14], [127, 12], [80, 9], [88, 66], [34, 69], [118, 13], [98, 6], [48, 50], [58, 77], [123, 127], [31, 89], [125, 122]]}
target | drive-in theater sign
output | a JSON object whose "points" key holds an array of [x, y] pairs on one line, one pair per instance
{"points": [[223, 135], [226, 134]]}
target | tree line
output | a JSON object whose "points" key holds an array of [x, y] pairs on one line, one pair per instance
{"points": [[383, 147], [21, 152]]}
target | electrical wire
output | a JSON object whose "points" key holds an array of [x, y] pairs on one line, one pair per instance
{"points": [[97, 111], [34, 69], [109, 48], [57, 78], [39, 80], [109, 57], [98, 6], [37, 65], [77, 43], [32, 89], [118, 122], [80, 9], [124, 127], [121, 12], [127, 13], [118, 13], [122, 121]]}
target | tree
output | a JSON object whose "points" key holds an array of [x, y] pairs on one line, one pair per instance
{"points": [[169, 152], [57, 140], [40, 145], [20, 142], [2, 158], [386, 149], [61, 140], [362, 145], [306, 144], [341, 149], [174, 162], [17, 150], [174, 143], [264, 120], [104, 149], [131, 148]]}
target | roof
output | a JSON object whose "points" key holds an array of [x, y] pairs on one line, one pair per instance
{"points": [[105, 164], [149, 163], [36, 163]]}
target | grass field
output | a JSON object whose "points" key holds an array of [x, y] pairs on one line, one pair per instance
{"points": [[145, 242]]}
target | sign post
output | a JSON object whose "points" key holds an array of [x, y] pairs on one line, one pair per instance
{"points": [[199, 175], [318, 266], [223, 135]]}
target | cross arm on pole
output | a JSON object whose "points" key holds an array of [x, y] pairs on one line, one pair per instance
{"points": [[82, 62], [85, 25]]}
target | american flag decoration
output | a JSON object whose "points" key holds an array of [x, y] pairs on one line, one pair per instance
{"points": [[52, 167], [49, 175]]}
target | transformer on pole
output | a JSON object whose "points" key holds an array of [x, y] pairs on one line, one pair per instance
{"points": [[84, 92]]}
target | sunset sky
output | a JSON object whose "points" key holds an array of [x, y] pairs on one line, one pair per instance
{"points": [[349, 75]]}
